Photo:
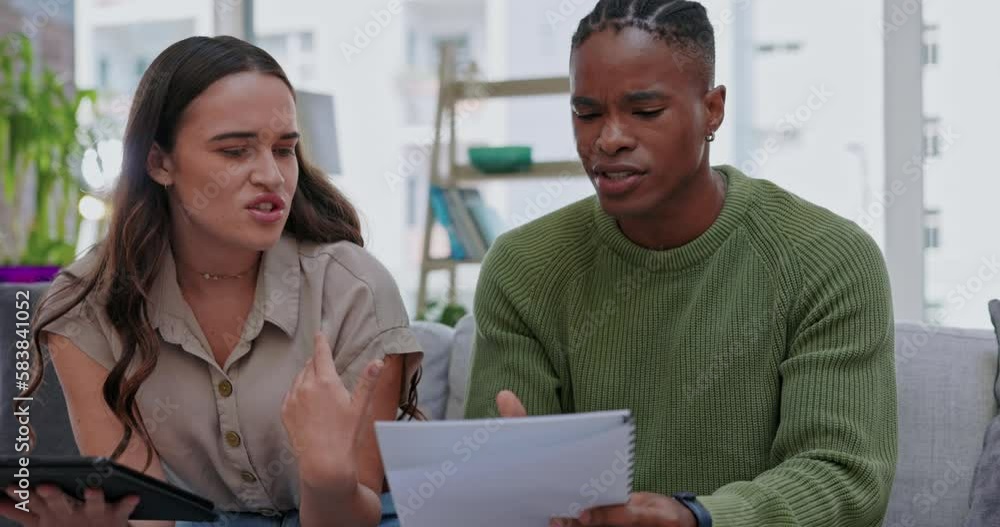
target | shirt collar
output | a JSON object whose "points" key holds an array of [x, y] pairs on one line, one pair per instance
{"points": [[276, 298]]}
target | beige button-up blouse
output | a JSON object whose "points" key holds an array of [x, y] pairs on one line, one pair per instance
{"points": [[218, 431]]}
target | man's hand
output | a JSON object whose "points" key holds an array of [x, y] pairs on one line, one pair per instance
{"points": [[642, 510], [509, 405]]}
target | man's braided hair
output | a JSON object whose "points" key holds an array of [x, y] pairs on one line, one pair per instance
{"points": [[682, 24]]}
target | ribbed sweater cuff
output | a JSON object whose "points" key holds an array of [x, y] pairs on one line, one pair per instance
{"points": [[729, 510]]}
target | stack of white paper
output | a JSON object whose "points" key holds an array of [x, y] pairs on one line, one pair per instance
{"points": [[506, 472]]}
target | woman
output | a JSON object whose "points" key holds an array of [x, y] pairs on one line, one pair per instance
{"points": [[195, 341]]}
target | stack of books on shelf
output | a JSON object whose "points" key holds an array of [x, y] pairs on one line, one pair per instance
{"points": [[471, 224]]}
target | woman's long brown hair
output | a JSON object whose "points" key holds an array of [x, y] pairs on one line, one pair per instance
{"points": [[129, 258]]}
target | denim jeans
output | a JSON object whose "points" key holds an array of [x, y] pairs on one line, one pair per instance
{"points": [[248, 519], [287, 519]]}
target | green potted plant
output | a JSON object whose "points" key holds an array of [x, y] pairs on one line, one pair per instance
{"points": [[447, 313], [39, 163]]}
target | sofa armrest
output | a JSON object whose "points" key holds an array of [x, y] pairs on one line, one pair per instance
{"points": [[461, 364], [435, 339]]}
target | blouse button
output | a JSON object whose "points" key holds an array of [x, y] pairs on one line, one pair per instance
{"points": [[233, 439], [225, 388], [248, 477]]}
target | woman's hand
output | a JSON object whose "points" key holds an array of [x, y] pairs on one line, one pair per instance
{"points": [[323, 421], [51, 507]]}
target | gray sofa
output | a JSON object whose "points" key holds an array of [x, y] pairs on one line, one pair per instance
{"points": [[945, 378], [945, 381]]}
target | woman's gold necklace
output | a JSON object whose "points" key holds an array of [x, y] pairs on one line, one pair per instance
{"points": [[214, 276]]}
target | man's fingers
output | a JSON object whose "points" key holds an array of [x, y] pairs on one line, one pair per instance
{"points": [[509, 405], [642, 510], [629, 515], [564, 522], [609, 515]]}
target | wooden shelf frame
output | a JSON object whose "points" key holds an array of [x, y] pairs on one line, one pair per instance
{"points": [[452, 91]]}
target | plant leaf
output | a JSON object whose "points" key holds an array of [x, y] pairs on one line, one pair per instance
{"points": [[38, 136]]}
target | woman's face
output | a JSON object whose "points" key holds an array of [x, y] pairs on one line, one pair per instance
{"points": [[641, 112], [233, 169]]}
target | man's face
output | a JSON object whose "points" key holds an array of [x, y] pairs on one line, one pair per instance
{"points": [[641, 111]]}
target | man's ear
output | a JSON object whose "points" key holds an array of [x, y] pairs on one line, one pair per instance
{"points": [[715, 104], [159, 166]]}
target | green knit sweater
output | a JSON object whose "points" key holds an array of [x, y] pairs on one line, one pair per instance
{"points": [[757, 359]]}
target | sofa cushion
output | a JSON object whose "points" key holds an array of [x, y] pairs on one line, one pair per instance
{"points": [[944, 380], [984, 501], [432, 392], [461, 363]]}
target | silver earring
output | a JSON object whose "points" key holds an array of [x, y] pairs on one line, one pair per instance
{"points": [[710, 137]]}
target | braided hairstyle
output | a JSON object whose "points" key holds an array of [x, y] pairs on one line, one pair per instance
{"points": [[682, 24]]}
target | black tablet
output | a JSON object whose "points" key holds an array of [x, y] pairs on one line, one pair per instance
{"points": [[157, 500]]}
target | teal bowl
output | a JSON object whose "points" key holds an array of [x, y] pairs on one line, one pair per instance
{"points": [[500, 159]]}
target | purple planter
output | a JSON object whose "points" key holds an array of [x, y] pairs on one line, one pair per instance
{"points": [[24, 274]]}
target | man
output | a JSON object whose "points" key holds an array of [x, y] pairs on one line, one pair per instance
{"points": [[749, 332]]}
